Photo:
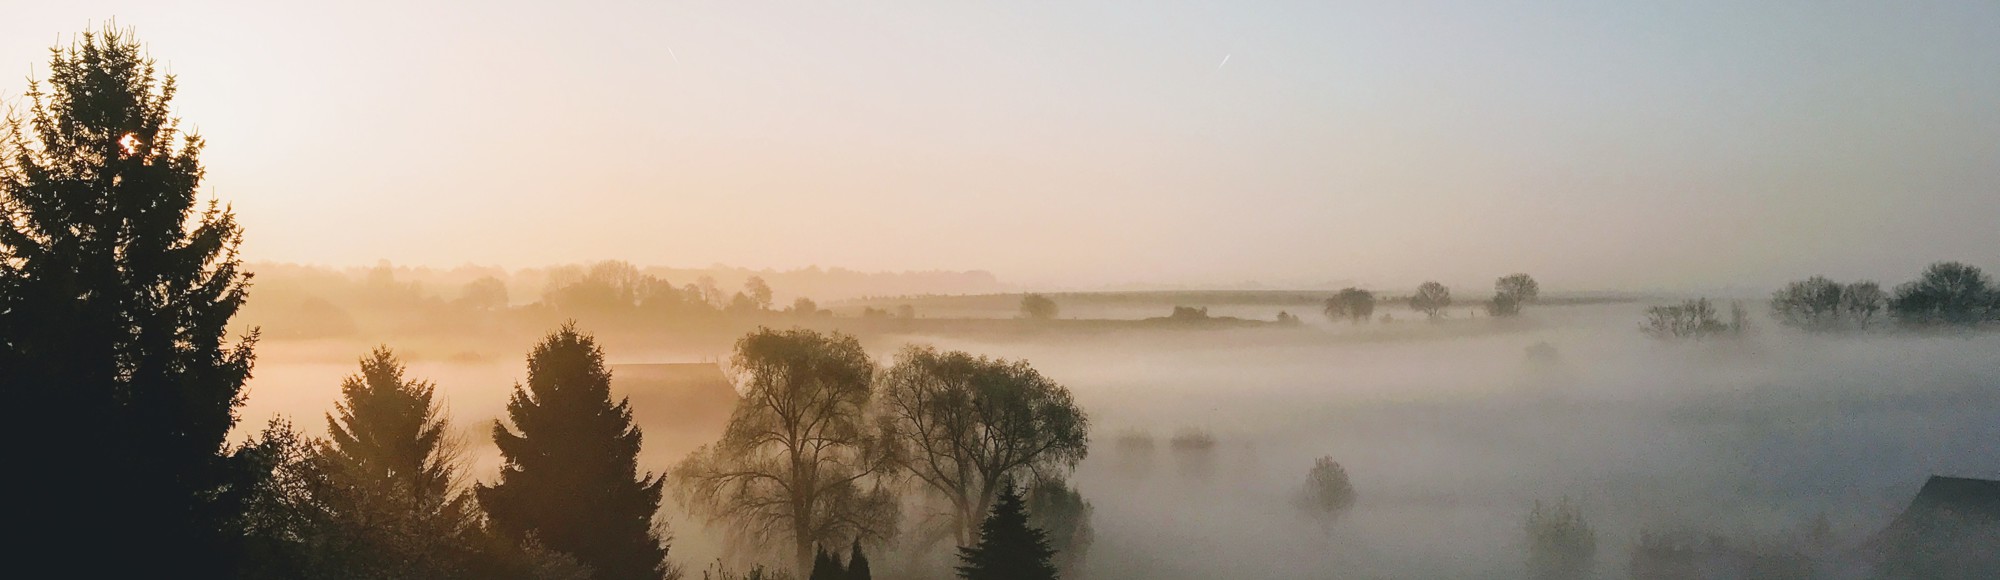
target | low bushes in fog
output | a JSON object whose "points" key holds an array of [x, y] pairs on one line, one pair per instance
{"points": [[1818, 303], [1694, 319], [1561, 543], [1193, 439]]}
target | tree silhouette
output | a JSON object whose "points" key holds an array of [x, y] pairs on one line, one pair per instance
{"points": [[1522, 287], [1038, 307], [1511, 292], [1431, 299], [395, 489], [1947, 293], [758, 291], [1861, 300], [792, 463], [570, 479], [826, 566], [1328, 494], [965, 424], [1693, 319], [1354, 304], [1008, 548], [116, 291], [1061, 512], [857, 564]]}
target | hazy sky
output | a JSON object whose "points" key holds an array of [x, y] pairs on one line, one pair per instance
{"points": [[1595, 144]]}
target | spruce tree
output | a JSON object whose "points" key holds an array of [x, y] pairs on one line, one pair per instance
{"points": [[826, 566], [394, 484], [116, 290], [1008, 548], [570, 479], [857, 564]]}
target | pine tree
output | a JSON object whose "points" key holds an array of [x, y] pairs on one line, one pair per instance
{"points": [[857, 564], [116, 291], [826, 566], [570, 479], [1008, 548], [394, 485]]}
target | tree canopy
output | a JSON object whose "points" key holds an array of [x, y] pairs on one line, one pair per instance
{"points": [[1353, 304], [1038, 307], [1431, 299], [1947, 293], [797, 461], [964, 424]]}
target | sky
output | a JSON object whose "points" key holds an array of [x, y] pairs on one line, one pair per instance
{"points": [[1597, 145]]}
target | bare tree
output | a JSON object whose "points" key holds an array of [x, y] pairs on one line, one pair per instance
{"points": [[758, 291], [798, 461], [1522, 287], [1861, 300], [1511, 292], [1695, 319], [1431, 299], [965, 424]]}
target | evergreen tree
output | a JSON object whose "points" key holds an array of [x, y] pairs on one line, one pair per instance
{"points": [[394, 485], [857, 564], [116, 291], [826, 566], [1008, 548], [570, 479]]}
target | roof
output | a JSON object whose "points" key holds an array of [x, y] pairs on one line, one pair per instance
{"points": [[1950, 530], [677, 406]]}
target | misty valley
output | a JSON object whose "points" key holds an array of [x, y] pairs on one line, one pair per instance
{"points": [[1436, 403]]}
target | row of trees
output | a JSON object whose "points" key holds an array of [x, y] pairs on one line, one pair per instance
{"points": [[1510, 293], [1946, 293], [822, 442], [620, 287], [383, 496]]}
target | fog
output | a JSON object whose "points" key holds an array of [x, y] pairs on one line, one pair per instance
{"points": [[1451, 431]]}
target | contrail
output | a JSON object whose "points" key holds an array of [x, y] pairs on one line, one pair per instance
{"points": [[677, 58], [1225, 61]]}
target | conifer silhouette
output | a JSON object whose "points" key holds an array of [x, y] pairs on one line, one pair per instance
{"points": [[1008, 548], [570, 479]]}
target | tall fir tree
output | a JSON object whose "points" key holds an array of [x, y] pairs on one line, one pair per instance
{"points": [[395, 491], [1008, 548], [116, 291], [857, 564], [826, 566], [570, 479]]}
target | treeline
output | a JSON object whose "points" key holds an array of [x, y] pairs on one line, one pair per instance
{"points": [[1432, 299], [1944, 295], [304, 303]]}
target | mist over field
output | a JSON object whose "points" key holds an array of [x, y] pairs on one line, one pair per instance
{"points": [[1451, 430], [612, 290]]}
